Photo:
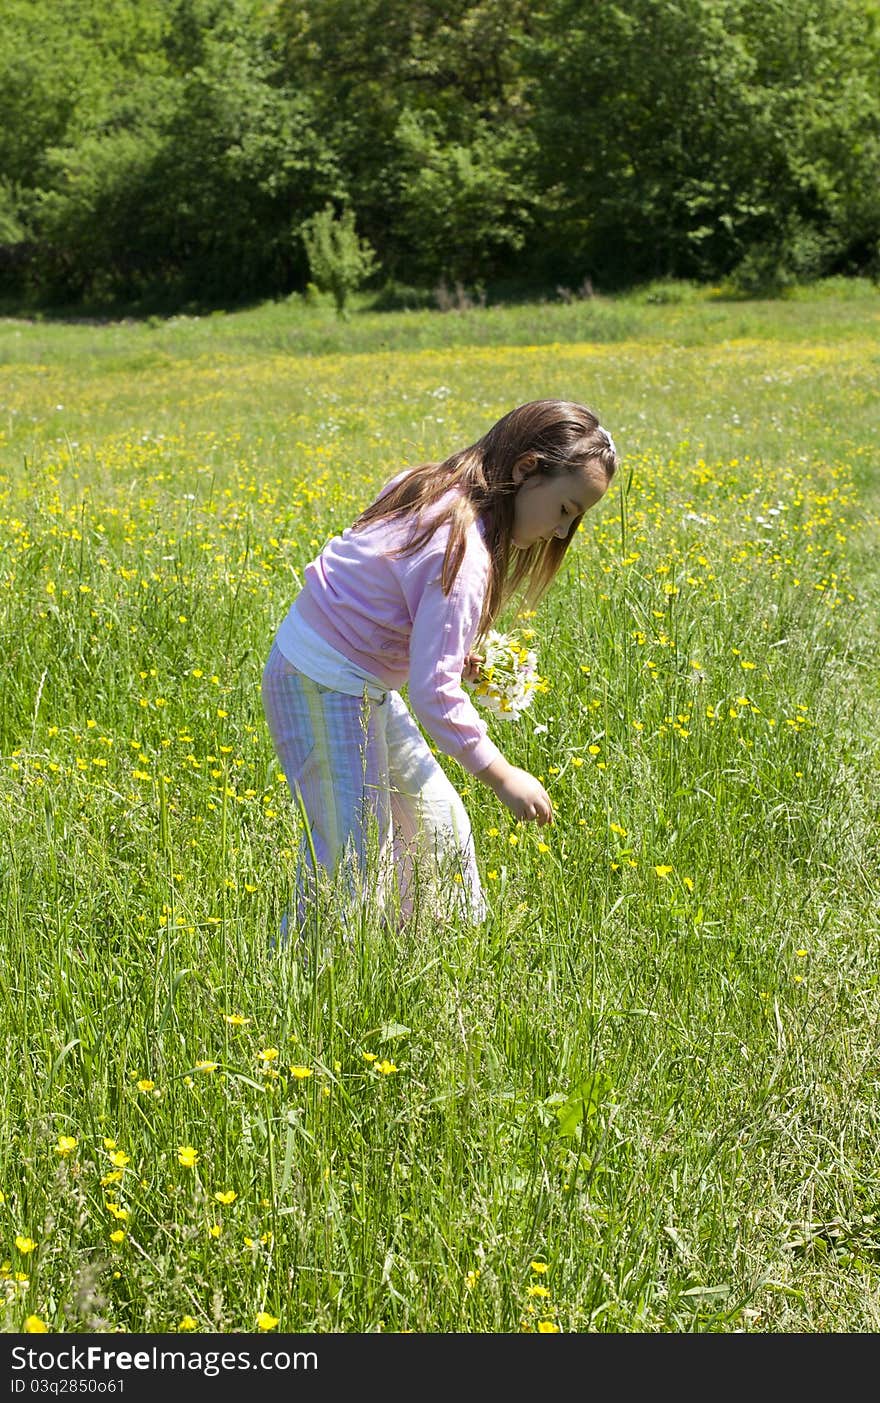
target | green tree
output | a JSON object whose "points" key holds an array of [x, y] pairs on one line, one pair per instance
{"points": [[339, 260], [182, 184], [464, 207], [676, 137], [426, 107]]}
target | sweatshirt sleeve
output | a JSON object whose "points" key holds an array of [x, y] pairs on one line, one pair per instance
{"points": [[443, 631]]}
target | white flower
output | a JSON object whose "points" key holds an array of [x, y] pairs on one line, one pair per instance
{"points": [[508, 676]]}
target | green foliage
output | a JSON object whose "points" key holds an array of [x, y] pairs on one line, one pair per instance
{"points": [[442, 187], [165, 149], [794, 252], [463, 207], [581, 1103], [339, 260], [180, 183], [712, 129], [11, 227]]}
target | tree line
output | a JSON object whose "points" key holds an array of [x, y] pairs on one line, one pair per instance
{"points": [[180, 150]]}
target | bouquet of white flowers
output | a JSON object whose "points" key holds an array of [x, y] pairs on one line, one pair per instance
{"points": [[507, 676]]}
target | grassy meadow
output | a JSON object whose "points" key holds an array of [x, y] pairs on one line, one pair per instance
{"points": [[642, 1096]]}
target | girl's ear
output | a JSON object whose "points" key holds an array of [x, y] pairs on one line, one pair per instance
{"points": [[524, 466]]}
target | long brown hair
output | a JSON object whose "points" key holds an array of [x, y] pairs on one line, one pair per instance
{"points": [[554, 436]]}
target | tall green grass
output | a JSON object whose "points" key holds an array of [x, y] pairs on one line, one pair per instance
{"points": [[651, 1071]]}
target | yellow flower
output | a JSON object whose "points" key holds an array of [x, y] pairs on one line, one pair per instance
{"points": [[226, 1196], [215, 1230], [187, 1156], [119, 1159], [300, 1072], [369, 1056], [472, 1278], [538, 1290], [268, 1054], [548, 1327], [25, 1244], [265, 1321], [207, 1066], [187, 1323], [35, 1326], [618, 828], [120, 1214], [539, 1267], [145, 1084], [117, 1236], [237, 1020], [66, 1145], [386, 1067], [543, 847], [662, 871]]}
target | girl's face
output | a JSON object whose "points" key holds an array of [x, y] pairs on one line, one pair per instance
{"points": [[548, 506]]}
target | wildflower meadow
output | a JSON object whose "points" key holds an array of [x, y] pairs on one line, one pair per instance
{"points": [[642, 1095]]}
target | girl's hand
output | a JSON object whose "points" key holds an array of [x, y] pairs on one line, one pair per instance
{"points": [[526, 797], [472, 664]]}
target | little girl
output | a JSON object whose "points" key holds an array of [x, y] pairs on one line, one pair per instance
{"points": [[402, 596]]}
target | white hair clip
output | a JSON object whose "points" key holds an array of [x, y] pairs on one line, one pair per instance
{"points": [[609, 438]]}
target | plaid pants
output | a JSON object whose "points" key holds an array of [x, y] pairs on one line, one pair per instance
{"points": [[367, 781]]}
